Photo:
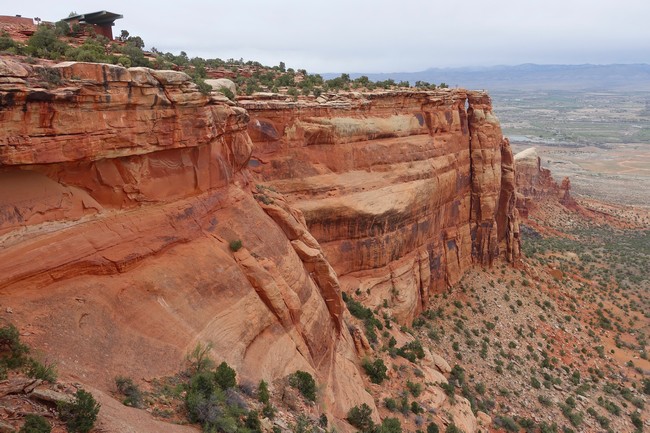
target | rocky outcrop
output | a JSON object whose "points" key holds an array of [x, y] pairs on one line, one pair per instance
{"points": [[122, 190], [533, 183], [403, 190]]}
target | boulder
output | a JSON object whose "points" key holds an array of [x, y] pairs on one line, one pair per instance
{"points": [[222, 83], [46, 394]]}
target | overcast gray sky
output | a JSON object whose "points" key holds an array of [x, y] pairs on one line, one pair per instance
{"points": [[379, 35]]}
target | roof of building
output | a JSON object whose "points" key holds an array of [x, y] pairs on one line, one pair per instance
{"points": [[99, 17]]}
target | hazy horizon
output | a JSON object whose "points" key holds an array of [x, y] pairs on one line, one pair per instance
{"points": [[381, 36], [483, 67]]}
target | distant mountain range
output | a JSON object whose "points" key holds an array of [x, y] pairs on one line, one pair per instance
{"points": [[629, 77]]}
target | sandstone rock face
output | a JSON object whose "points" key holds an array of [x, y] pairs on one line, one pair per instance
{"points": [[403, 190], [120, 192], [534, 182]]}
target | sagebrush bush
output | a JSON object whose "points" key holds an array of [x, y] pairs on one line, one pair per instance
{"points": [[199, 358], [130, 391], [43, 371]]}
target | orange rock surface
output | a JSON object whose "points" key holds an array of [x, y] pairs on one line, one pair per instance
{"points": [[534, 182], [403, 190], [121, 192]]}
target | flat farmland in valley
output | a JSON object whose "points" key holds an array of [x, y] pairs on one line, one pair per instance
{"points": [[601, 140]]}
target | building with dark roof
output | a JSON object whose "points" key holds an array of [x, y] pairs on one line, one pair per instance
{"points": [[102, 21]]}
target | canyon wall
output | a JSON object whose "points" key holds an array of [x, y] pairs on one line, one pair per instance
{"points": [[403, 190], [121, 193], [126, 193]]}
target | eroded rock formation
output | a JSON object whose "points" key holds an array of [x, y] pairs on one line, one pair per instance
{"points": [[403, 190], [533, 182], [124, 193], [121, 192]]}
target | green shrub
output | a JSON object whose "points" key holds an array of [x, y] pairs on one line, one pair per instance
{"points": [[390, 425], [35, 424], [452, 428], [415, 388], [547, 428], [124, 61], [390, 404], [433, 428], [38, 370], [45, 43], [535, 383], [208, 410], [575, 418], [376, 370], [303, 425], [369, 320], [416, 408], [448, 388], [202, 86], [361, 417], [411, 351], [61, 28], [135, 55], [611, 407], [305, 383], [213, 401], [235, 245], [263, 395], [199, 358], [637, 421], [131, 391], [253, 422], [268, 411], [6, 43], [228, 93], [507, 423], [13, 352], [203, 383], [224, 376], [457, 375], [80, 415]]}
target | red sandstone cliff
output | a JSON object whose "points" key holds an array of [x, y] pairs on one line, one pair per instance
{"points": [[534, 183], [120, 192], [403, 190], [122, 189]]}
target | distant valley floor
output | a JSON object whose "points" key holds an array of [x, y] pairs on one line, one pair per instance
{"points": [[619, 174], [601, 140]]}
